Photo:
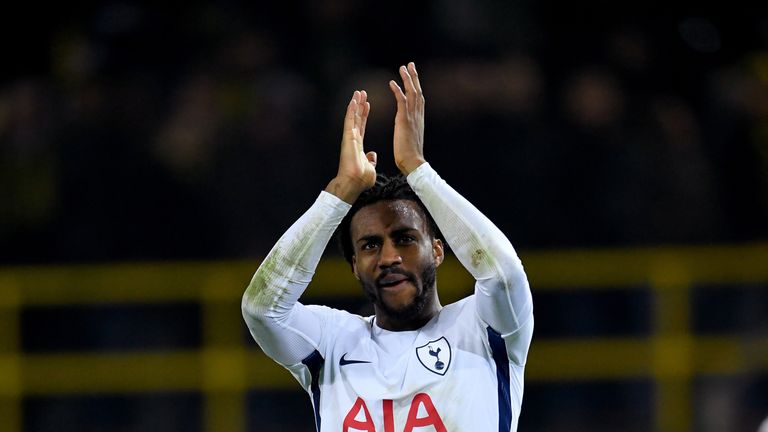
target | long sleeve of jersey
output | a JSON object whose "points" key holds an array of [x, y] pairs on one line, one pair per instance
{"points": [[284, 328], [503, 296]]}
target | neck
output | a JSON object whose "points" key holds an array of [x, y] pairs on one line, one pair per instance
{"points": [[391, 322]]}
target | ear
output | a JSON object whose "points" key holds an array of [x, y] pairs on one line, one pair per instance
{"points": [[437, 251], [354, 267]]}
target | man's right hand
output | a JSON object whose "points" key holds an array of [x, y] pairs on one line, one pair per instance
{"points": [[357, 169]]}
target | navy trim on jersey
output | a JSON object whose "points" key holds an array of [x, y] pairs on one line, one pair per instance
{"points": [[499, 351], [314, 362]]}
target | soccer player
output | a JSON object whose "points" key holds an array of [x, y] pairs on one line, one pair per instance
{"points": [[415, 365]]}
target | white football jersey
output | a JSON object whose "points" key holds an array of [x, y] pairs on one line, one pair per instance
{"points": [[453, 374]]}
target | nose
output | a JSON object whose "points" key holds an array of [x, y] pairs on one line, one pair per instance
{"points": [[390, 255]]}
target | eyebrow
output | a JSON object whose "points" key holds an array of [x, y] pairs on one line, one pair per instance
{"points": [[395, 233], [402, 231], [365, 239]]}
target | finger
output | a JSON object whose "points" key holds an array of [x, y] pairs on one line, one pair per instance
{"points": [[366, 110], [414, 76], [348, 146], [372, 157], [355, 98], [361, 118], [407, 81], [398, 92], [357, 132], [358, 111], [349, 118]]}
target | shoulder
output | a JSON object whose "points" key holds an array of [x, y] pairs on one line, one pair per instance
{"points": [[460, 316], [465, 305], [342, 331], [339, 318]]}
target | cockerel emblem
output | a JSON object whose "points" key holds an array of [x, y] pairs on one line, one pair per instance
{"points": [[435, 355]]}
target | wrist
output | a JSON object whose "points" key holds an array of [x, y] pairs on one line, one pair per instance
{"points": [[344, 190], [406, 167]]}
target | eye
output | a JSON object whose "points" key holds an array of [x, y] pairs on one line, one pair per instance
{"points": [[406, 239], [370, 245]]}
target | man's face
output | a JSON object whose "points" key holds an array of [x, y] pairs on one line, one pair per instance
{"points": [[395, 257]]}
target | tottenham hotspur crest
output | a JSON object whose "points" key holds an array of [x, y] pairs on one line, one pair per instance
{"points": [[435, 355]]}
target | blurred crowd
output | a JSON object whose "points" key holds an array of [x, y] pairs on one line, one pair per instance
{"points": [[133, 132]]}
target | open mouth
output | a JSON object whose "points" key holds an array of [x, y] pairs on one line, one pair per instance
{"points": [[395, 285], [393, 281]]}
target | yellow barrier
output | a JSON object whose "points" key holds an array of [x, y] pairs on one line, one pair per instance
{"points": [[223, 369]]}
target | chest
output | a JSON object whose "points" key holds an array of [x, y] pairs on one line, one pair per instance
{"points": [[437, 359], [442, 377]]}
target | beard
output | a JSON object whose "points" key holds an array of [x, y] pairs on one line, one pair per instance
{"points": [[425, 286]]}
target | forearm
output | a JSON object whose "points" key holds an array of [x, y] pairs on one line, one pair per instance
{"points": [[503, 295], [269, 304]]}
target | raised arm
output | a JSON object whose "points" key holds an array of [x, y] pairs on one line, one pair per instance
{"points": [[285, 329], [502, 291]]}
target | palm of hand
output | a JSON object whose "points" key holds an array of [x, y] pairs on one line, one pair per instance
{"points": [[408, 136]]}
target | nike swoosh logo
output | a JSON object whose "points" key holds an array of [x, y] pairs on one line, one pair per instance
{"points": [[343, 361]]}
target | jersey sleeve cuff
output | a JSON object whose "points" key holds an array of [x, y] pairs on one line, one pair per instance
{"points": [[333, 203], [420, 174]]}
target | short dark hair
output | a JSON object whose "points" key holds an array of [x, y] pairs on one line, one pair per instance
{"points": [[387, 188]]}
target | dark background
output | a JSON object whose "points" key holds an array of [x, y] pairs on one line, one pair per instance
{"points": [[132, 131]]}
